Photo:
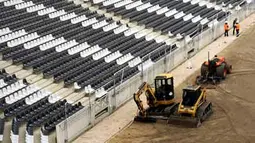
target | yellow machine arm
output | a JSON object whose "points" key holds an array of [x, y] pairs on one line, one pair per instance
{"points": [[149, 93]]}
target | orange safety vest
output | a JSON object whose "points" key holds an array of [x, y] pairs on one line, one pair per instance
{"points": [[226, 26], [237, 26]]}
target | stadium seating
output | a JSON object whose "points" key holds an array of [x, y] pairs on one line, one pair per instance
{"points": [[68, 42], [29, 104], [169, 17]]}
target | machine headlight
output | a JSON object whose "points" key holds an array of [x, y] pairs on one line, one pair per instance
{"points": [[182, 106], [192, 108], [170, 93]]}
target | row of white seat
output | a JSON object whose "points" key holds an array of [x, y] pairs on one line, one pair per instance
{"points": [[5, 31], [36, 97], [12, 2], [20, 94], [23, 39], [11, 88], [24, 5]]}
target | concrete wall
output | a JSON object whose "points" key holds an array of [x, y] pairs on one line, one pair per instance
{"points": [[117, 96]]}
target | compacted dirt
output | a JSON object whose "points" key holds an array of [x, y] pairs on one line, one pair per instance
{"points": [[233, 120]]}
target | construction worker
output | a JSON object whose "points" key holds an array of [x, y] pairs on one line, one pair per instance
{"points": [[237, 29], [234, 26], [226, 28]]}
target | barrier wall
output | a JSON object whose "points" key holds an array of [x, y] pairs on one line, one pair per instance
{"points": [[96, 110]]}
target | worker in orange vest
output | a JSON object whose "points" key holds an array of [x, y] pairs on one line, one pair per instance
{"points": [[226, 29], [237, 29]]}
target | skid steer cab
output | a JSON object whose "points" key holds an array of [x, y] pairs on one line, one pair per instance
{"points": [[193, 109], [191, 98]]}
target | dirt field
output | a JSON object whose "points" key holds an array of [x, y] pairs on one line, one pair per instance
{"points": [[233, 120]]}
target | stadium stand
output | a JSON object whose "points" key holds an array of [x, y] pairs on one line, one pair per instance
{"points": [[81, 48], [169, 17], [30, 105], [51, 43]]}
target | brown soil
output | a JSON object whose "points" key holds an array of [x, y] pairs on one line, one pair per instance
{"points": [[233, 120]]}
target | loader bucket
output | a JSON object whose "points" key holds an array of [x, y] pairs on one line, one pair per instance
{"points": [[184, 121], [145, 119]]}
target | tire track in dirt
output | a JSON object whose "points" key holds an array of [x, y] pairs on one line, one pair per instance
{"points": [[229, 118], [224, 91], [233, 128]]}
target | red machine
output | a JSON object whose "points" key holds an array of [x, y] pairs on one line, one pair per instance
{"points": [[214, 70]]}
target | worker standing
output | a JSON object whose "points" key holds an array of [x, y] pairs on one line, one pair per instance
{"points": [[226, 29], [237, 29], [234, 26]]}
